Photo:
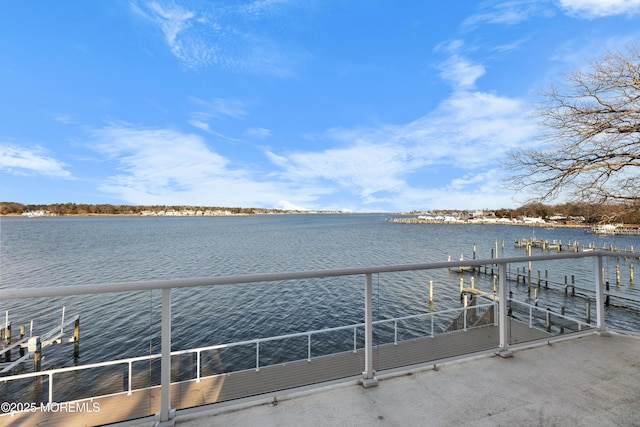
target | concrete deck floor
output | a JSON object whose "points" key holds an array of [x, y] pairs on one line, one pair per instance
{"points": [[589, 381]]}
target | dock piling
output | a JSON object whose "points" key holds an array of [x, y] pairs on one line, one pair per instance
{"points": [[22, 329], [430, 291], [76, 338], [7, 336]]}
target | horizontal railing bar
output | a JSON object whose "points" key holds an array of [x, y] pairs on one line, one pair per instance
{"points": [[38, 292], [415, 316], [544, 310], [79, 367], [220, 346]]}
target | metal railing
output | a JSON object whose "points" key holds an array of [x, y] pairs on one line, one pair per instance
{"points": [[166, 287], [50, 373]]}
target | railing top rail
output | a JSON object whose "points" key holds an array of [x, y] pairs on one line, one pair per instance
{"points": [[57, 291]]}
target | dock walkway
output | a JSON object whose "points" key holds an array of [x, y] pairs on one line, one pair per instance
{"points": [[341, 367], [588, 381]]}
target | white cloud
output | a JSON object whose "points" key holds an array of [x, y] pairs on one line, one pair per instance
{"points": [[467, 134], [287, 205], [224, 36], [220, 108], [215, 109], [508, 12], [461, 72], [163, 166], [20, 161], [591, 9], [258, 133]]}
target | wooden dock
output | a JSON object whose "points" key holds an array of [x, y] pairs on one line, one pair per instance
{"points": [[54, 336], [275, 378]]}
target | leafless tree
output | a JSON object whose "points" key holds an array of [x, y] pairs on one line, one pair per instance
{"points": [[590, 148]]}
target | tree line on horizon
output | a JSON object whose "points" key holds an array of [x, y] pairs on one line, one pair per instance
{"points": [[61, 209], [593, 213]]}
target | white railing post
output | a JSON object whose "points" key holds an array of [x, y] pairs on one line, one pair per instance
{"points": [[602, 328], [502, 302], [198, 367], [257, 356], [51, 388], [355, 339], [395, 332], [129, 392], [165, 361], [432, 326], [368, 380]]}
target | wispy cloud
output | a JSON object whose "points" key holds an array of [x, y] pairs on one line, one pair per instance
{"points": [[225, 36], [469, 134], [217, 108], [591, 9], [461, 72], [509, 12], [26, 161], [258, 133], [163, 166]]}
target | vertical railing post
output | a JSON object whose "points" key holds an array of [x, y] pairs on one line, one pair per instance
{"points": [[129, 392], [368, 380], [50, 388], [165, 361], [602, 329], [432, 325], [355, 340], [257, 356], [502, 302], [198, 367], [395, 332]]}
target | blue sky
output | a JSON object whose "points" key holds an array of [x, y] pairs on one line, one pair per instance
{"points": [[341, 105]]}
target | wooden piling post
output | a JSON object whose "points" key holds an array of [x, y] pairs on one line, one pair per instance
{"points": [[546, 279], [606, 300], [535, 293], [35, 347], [617, 275], [22, 329], [7, 336], [548, 320], [474, 257], [76, 338], [461, 287], [631, 273], [472, 283], [430, 291], [566, 286], [573, 285], [495, 284]]}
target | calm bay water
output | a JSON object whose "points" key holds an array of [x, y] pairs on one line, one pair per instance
{"points": [[64, 251]]}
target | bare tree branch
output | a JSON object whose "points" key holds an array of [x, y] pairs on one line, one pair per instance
{"points": [[591, 147]]}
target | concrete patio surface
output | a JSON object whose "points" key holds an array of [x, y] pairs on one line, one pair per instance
{"points": [[587, 381]]}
